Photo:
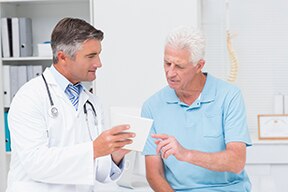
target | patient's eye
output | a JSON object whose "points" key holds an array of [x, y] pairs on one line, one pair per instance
{"points": [[167, 63]]}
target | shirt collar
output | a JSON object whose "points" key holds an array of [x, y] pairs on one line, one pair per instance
{"points": [[209, 90], [207, 95], [60, 79]]}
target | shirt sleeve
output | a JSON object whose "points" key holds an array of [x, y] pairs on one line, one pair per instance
{"points": [[116, 171], [107, 170], [235, 121]]}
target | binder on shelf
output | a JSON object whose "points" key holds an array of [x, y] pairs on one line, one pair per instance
{"points": [[15, 37], [29, 72], [22, 76], [7, 133], [18, 77], [14, 77], [13, 80], [25, 29], [37, 70], [33, 71], [9, 23], [6, 86], [5, 37]]}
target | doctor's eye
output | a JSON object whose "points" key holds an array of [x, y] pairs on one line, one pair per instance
{"points": [[92, 55]]}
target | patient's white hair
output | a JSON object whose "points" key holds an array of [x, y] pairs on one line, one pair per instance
{"points": [[186, 37]]}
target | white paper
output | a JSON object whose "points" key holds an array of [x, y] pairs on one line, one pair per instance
{"points": [[138, 125]]}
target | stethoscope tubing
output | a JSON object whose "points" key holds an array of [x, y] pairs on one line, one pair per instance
{"points": [[48, 91], [54, 111]]}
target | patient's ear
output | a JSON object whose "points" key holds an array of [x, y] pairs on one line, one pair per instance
{"points": [[200, 65]]}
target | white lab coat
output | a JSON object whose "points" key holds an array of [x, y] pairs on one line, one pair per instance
{"points": [[53, 154]]}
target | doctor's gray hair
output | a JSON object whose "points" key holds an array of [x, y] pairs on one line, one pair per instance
{"points": [[185, 37], [69, 34]]}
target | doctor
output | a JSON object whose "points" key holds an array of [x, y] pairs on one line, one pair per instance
{"points": [[56, 131]]}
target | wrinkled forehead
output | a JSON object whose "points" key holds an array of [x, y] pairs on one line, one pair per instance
{"points": [[171, 52]]}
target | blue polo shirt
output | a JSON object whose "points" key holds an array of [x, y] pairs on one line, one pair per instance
{"points": [[213, 120]]}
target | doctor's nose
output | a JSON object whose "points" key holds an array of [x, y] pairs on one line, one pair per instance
{"points": [[97, 63]]}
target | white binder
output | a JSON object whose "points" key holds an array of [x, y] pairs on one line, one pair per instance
{"points": [[15, 37], [29, 72], [6, 86], [22, 76], [33, 71], [25, 27], [37, 70], [13, 80]]}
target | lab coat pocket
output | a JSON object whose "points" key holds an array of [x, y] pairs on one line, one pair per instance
{"points": [[212, 125], [29, 186]]}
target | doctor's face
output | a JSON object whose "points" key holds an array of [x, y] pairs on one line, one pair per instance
{"points": [[87, 60]]}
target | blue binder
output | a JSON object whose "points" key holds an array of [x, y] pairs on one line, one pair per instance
{"points": [[7, 133]]}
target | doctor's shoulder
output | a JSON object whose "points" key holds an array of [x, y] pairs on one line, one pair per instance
{"points": [[30, 91]]}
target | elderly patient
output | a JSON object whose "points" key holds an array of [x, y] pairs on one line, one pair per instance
{"points": [[199, 135]]}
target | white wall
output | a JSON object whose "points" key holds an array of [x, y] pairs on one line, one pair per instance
{"points": [[132, 53], [261, 44]]}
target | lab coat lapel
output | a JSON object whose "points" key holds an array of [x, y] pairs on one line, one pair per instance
{"points": [[53, 85], [82, 100]]}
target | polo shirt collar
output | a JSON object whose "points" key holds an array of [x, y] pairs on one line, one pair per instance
{"points": [[207, 95], [209, 91]]}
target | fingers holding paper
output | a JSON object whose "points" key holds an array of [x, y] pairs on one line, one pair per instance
{"points": [[168, 145], [113, 140]]}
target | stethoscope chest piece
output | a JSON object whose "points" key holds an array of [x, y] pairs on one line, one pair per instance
{"points": [[53, 112]]}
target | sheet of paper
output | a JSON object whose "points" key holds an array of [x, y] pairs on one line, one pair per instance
{"points": [[138, 125]]}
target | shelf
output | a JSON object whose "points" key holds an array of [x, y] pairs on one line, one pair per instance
{"points": [[26, 58], [38, 1], [256, 141], [270, 142]]}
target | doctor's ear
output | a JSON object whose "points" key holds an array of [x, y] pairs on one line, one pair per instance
{"points": [[61, 56]]}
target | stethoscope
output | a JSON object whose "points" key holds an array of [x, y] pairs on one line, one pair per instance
{"points": [[53, 111]]}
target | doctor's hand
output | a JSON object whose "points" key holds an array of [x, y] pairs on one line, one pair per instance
{"points": [[117, 156], [168, 145], [112, 140]]}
